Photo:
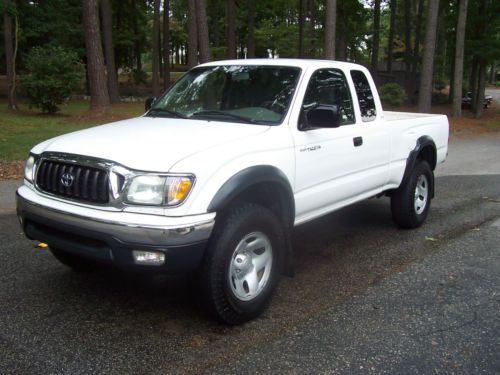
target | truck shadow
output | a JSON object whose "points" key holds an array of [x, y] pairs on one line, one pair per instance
{"points": [[320, 246]]}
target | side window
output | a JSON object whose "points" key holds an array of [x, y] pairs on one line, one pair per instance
{"points": [[365, 96], [329, 86]]}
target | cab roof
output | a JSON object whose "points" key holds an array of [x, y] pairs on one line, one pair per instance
{"points": [[300, 63]]}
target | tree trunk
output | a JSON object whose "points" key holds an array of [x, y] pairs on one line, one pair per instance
{"points": [[160, 49], [459, 58], [302, 21], [376, 38], [137, 44], [231, 29], [192, 35], [408, 47], [473, 83], [119, 16], [166, 44], [9, 57], [416, 47], [425, 89], [330, 26], [251, 29], [311, 10], [493, 72], [99, 97], [107, 31], [156, 48], [481, 86], [201, 20], [451, 92], [390, 43], [342, 46]]}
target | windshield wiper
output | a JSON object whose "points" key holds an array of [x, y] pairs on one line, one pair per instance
{"points": [[227, 114], [168, 111]]}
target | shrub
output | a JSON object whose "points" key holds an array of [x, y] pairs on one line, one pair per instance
{"points": [[54, 73], [392, 94], [440, 98], [139, 76], [439, 84]]}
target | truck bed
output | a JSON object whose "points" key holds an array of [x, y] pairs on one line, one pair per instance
{"points": [[395, 116]]}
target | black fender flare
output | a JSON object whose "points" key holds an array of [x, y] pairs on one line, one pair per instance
{"points": [[247, 178], [252, 176], [422, 142]]}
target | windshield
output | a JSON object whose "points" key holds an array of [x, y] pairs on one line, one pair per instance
{"points": [[236, 93]]}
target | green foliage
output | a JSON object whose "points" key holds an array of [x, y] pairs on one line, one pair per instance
{"points": [[55, 22], [276, 39], [440, 83], [439, 98], [139, 76], [392, 94], [218, 53], [54, 73]]}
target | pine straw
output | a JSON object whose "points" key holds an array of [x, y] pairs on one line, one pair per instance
{"points": [[11, 169]]}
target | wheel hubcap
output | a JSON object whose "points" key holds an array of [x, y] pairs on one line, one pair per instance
{"points": [[421, 194], [250, 266]]}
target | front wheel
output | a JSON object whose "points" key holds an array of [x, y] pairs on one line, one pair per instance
{"points": [[410, 203], [243, 264]]}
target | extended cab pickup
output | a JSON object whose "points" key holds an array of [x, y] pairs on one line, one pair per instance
{"points": [[212, 179]]}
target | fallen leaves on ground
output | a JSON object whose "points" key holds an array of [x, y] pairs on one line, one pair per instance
{"points": [[11, 169]]}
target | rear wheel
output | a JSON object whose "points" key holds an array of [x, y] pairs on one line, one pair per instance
{"points": [[75, 262], [410, 203], [243, 264]]}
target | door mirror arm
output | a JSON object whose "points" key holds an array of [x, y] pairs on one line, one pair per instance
{"points": [[149, 103]]}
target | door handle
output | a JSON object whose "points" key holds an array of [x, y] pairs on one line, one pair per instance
{"points": [[358, 141]]}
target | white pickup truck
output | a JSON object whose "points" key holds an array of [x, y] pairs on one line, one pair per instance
{"points": [[213, 178]]}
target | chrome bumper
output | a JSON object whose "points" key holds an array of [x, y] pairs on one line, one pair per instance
{"points": [[125, 228]]}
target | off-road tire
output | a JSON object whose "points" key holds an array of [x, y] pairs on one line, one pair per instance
{"points": [[403, 200], [219, 297]]}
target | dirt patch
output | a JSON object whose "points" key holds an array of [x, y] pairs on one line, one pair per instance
{"points": [[11, 170]]}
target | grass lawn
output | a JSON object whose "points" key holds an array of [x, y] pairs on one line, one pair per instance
{"points": [[21, 130]]}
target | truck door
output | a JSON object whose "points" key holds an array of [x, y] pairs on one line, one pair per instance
{"points": [[337, 166]]}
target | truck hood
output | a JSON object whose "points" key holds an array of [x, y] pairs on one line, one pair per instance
{"points": [[148, 143]]}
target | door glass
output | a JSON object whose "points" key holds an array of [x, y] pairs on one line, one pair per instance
{"points": [[365, 96], [329, 87]]}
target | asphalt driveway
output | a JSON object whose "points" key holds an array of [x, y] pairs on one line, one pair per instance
{"points": [[367, 297]]}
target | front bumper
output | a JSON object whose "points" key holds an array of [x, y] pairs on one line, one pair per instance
{"points": [[110, 236]]}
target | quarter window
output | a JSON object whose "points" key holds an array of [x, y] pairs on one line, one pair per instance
{"points": [[329, 87], [365, 96]]}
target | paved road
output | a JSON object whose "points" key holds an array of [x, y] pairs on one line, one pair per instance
{"points": [[495, 92], [367, 298]]}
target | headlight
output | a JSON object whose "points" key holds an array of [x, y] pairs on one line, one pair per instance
{"points": [[159, 190], [29, 168]]}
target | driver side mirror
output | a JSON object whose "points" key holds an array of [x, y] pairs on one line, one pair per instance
{"points": [[149, 103], [321, 116]]}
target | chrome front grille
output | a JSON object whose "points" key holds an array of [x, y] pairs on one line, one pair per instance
{"points": [[79, 182]]}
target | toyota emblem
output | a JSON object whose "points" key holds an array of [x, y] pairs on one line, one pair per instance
{"points": [[67, 179]]}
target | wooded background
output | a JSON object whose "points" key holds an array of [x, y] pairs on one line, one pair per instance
{"points": [[433, 49]]}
